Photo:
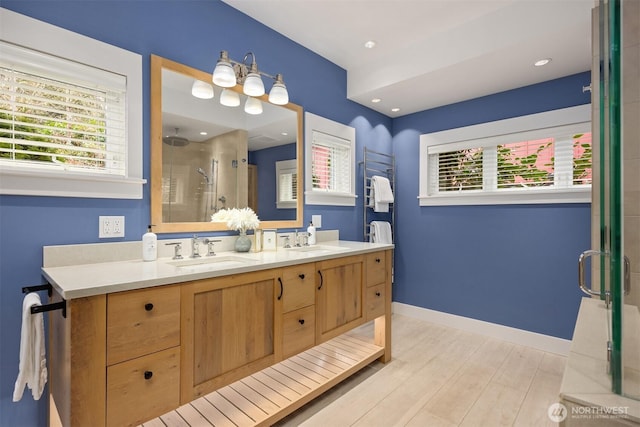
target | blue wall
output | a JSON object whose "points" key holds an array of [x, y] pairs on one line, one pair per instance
{"points": [[265, 161], [458, 260], [513, 265]]}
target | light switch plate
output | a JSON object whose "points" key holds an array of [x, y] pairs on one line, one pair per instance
{"points": [[269, 240], [316, 220]]}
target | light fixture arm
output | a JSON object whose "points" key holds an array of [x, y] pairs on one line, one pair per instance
{"points": [[243, 68]]}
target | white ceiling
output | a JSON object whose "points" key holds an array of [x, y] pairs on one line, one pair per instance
{"points": [[435, 52]]}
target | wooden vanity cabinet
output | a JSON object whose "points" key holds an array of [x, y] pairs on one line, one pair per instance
{"points": [[375, 279], [298, 309], [143, 354], [228, 330], [123, 358], [339, 296]]}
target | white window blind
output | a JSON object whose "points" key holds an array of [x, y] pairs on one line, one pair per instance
{"points": [[287, 184], [330, 163], [58, 114], [548, 164]]}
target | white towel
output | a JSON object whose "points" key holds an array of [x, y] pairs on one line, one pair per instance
{"points": [[380, 232], [32, 370], [380, 194]]}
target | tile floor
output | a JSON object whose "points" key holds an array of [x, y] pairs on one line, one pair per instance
{"points": [[440, 376]]}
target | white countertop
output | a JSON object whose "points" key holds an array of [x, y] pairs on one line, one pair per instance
{"points": [[89, 279]]}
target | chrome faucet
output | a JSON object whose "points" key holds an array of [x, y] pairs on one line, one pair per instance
{"points": [[195, 246], [296, 239], [210, 243], [177, 249]]}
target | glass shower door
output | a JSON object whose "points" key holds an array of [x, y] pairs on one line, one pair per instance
{"points": [[623, 320]]}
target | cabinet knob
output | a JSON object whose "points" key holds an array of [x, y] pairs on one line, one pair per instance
{"points": [[148, 375], [377, 294], [301, 276], [301, 321], [148, 306], [378, 260]]}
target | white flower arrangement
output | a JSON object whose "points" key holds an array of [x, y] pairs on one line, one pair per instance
{"points": [[237, 219]]}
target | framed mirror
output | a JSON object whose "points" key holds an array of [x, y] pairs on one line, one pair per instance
{"points": [[206, 156]]}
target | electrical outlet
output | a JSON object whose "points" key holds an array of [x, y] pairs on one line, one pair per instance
{"points": [[110, 227]]}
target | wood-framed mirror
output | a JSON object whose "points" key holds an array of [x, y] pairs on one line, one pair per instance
{"points": [[206, 156]]}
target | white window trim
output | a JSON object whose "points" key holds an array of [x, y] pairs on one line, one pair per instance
{"points": [[285, 167], [33, 34], [548, 119], [320, 124]]}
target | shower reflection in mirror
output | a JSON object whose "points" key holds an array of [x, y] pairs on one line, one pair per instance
{"points": [[192, 186]]}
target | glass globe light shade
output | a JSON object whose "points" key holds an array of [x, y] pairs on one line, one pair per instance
{"points": [[229, 98], [253, 106]]}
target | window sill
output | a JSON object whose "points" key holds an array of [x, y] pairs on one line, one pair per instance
{"points": [[47, 183], [576, 195], [329, 199]]}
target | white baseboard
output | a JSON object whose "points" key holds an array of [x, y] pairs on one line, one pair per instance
{"points": [[517, 336]]}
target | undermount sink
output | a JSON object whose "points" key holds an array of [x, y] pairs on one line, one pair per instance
{"points": [[208, 263], [316, 249]]}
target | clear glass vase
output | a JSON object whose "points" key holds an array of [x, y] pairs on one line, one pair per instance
{"points": [[243, 242]]}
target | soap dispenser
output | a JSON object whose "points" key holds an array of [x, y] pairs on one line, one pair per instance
{"points": [[149, 246], [311, 232]]}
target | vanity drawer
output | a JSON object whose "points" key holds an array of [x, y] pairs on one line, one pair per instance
{"points": [[376, 268], [143, 388], [142, 322], [375, 301], [298, 284], [299, 328]]}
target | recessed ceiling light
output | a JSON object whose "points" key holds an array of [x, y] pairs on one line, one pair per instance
{"points": [[395, 110], [376, 100], [203, 133], [542, 62], [284, 134], [370, 44]]}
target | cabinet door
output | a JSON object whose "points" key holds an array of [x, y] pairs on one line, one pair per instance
{"points": [[228, 330], [339, 296]]}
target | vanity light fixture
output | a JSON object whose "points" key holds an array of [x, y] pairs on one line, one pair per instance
{"points": [[202, 90], [228, 73]]}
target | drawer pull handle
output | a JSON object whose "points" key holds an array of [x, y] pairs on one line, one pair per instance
{"points": [[321, 279], [301, 276], [281, 289], [148, 306], [378, 260], [377, 294], [301, 321], [148, 375]]}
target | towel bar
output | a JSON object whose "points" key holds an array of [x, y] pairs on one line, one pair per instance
{"points": [[60, 305]]}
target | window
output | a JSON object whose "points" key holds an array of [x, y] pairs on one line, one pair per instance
{"points": [[330, 158], [70, 118], [542, 158], [287, 184]]}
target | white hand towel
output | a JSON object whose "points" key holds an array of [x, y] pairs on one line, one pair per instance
{"points": [[381, 193], [380, 232], [32, 370]]}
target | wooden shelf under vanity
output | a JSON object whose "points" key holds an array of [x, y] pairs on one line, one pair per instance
{"points": [[275, 392]]}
